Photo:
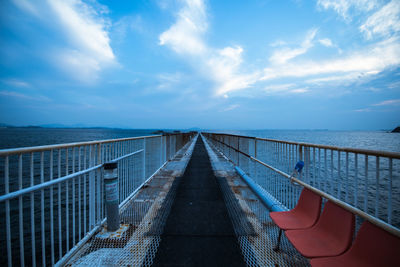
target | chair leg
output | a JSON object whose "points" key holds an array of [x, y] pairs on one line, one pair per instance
{"points": [[276, 248]]}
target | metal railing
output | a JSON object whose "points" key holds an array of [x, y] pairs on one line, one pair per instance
{"points": [[365, 182], [52, 197]]}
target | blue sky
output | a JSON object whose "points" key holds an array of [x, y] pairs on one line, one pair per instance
{"points": [[257, 64]]}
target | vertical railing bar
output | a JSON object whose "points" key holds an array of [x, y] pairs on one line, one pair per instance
{"points": [[313, 174], [84, 190], [8, 225], [300, 157], [238, 153], [60, 241], [103, 159], [73, 197], [67, 200], [80, 194], [308, 170], [319, 169], [42, 209], [51, 209], [144, 159], [339, 178], [20, 213], [325, 170], [124, 171], [331, 181], [347, 177], [33, 241], [161, 143], [366, 184], [98, 178], [91, 189], [356, 180], [377, 188], [390, 191]]}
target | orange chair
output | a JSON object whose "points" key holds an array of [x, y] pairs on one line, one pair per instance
{"points": [[304, 215], [330, 236], [373, 246]]}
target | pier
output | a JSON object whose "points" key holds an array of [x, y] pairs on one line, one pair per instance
{"points": [[184, 199]]}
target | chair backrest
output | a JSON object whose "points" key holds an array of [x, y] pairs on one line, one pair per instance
{"points": [[376, 246], [337, 222], [309, 203]]}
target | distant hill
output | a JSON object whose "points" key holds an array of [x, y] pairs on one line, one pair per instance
{"points": [[396, 130]]}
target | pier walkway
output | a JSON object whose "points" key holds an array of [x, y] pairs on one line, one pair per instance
{"points": [[198, 230], [185, 199]]}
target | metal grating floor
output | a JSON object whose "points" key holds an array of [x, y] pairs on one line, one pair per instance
{"points": [[256, 232], [145, 214]]}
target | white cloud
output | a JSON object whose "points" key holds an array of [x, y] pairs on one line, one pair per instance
{"points": [[185, 35], [336, 79], [391, 102], [24, 96], [16, 83], [279, 87], [281, 56], [287, 88], [79, 65], [231, 107], [224, 66], [27, 6], [86, 48], [384, 22], [186, 38], [326, 42], [127, 24], [278, 43], [363, 110], [168, 81], [86, 31], [370, 61], [299, 91], [343, 7]]}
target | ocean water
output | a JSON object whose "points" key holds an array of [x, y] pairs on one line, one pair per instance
{"points": [[27, 137], [373, 140]]}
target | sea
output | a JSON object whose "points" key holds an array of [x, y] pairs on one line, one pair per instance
{"points": [[373, 140]]}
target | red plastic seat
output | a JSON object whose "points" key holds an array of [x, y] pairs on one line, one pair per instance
{"points": [[304, 215], [330, 236], [373, 246]]}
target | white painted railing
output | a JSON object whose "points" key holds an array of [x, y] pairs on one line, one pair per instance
{"points": [[366, 181], [51, 197]]}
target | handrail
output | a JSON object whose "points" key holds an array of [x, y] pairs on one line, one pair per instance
{"points": [[13, 151], [47, 184], [65, 181], [337, 148], [393, 230]]}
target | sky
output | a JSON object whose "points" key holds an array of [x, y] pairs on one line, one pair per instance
{"points": [[212, 64]]}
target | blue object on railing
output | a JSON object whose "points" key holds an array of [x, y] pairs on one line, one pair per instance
{"points": [[299, 166], [272, 203]]}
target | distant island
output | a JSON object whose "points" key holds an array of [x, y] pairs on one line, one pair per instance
{"points": [[396, 130]]}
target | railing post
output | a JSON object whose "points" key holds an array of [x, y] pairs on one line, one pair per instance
{"points": [[111, 195], [144, 159], [300, 158], [92, 204]]}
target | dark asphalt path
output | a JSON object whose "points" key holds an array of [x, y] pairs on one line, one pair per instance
{"points": [[198, 231]]}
